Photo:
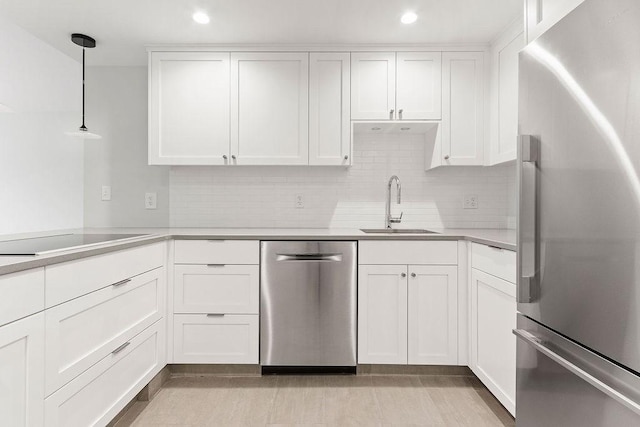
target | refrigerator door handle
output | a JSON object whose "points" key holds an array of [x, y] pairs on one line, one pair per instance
{"points": [[529, 154], [538, 344]]}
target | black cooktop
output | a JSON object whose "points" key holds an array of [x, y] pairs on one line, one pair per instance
{"points": [[38, 245]]}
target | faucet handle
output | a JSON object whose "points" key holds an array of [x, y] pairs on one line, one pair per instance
{"points": [[396, 220]]}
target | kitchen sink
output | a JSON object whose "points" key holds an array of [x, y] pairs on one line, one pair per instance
{"points": [[397, 231]]}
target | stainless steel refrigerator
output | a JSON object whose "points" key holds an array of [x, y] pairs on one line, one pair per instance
{"points": [[578, 347]]}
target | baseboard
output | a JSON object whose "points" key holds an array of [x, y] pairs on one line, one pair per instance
{"points": [[414, 370], [221, 370]]}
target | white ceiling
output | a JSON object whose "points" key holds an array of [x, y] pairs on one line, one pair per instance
{"points": [[122, 28]]}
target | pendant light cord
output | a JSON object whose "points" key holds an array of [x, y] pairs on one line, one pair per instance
{"points": [[83, 126]]}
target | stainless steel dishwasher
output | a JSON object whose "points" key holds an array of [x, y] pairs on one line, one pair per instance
{"points": [[308, 304]]}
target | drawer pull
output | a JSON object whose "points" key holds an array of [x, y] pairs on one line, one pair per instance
{"points": [[122, 347], [216, 240], [216, 265], [496, 247], [215, 315], [120, 283]]}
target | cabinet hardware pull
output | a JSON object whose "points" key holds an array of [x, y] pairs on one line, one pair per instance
{"points": [[216, 265], [122, 347], [496, 247], [400, 114], [215, 315], [233, 156], [120, 283], [346, 157], [391, 114], [446, 157], [224, 156], [413, 274], [216, 240], [403, 274]]}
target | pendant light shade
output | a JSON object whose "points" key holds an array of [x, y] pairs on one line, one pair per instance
{"points": [[84, 42]]}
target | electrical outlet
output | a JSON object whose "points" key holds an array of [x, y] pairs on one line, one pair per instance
{"points": [[471, 201], [150, 201], [106, 193], [299, 202]]}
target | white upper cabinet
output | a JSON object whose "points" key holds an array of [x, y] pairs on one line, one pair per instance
{"points": [[419, 85], [540, 15], [269, 108], [373, 85], [504, 96], [462, 108], [188, 108], [329, 109], [390, 86]]}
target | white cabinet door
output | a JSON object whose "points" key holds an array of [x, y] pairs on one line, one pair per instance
{"points": [[373, 85], [504, 91], [188, 108], [201, 338], [382, 314], [22, 372], [329, 109], [433, 315], [214, 289], [493, 345], [419, 85], [540, 15], [462, 108], [269, 108]]}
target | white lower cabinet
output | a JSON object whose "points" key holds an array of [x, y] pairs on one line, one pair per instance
{"points": [[408, 314], [82, 331], [382, 314], [205, 338], [22, 372], [216, 289], [433, 315], [99, 393], [493, 345]]}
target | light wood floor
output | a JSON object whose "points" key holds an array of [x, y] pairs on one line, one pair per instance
{"points": [[320, 400]]}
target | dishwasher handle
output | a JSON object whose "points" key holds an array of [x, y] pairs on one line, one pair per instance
{"points": [[332, 257]]}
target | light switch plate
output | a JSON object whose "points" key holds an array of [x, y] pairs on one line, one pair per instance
{"points": [[150, 200], [471, 201], [106, 193]]}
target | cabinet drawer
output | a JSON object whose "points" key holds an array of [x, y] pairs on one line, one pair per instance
{"points": [[76, 278], [96, 396], [200, 338], [408, 252], [216, 289], [217, 252], [85, 330], [21, 294], [498, 262]]}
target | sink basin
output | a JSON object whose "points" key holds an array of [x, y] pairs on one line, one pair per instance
{"points": [[397, 231]]}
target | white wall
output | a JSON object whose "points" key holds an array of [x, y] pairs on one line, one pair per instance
{"points": [[339, 197], [117, 110], [41, 169]]}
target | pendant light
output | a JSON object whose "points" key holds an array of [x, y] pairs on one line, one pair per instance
{"points": [[84, 42]]}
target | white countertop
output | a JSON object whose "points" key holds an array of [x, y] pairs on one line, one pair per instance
{"points": [[502, 238]]}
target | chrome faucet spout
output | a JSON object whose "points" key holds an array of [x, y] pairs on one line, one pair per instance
{"points": [[388, 218]]}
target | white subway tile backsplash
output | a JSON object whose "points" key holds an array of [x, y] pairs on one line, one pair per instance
{"points": [[336, 197]]}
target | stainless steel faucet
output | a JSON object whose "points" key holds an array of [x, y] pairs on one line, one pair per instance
{"points": [[388, 218]]}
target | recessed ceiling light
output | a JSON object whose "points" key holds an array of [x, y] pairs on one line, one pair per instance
{"points": [[409, 18], [201, 18]]}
